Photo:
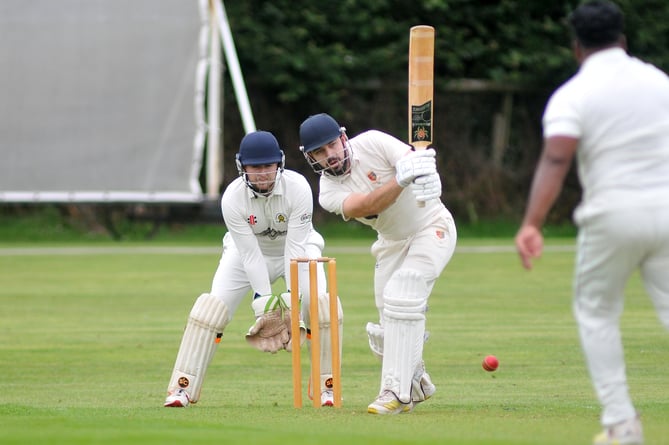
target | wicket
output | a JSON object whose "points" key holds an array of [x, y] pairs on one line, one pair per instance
{"points": [[315, 331]]}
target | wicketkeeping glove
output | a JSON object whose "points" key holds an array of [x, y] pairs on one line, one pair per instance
{"points": [[427, 187], [415, 164], [271, 331]]}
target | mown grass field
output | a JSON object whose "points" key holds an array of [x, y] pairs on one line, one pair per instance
{"points": [[89, 334]]}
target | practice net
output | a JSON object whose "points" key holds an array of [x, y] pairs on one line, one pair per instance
{"points": [[98, 100]]}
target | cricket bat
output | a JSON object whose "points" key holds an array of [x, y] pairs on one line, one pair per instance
{"points": [[421, 87]]}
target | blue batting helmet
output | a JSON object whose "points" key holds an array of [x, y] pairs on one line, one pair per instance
{"points": [[318, 130], [260, 148]]}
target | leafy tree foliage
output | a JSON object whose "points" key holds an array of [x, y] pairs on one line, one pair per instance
{"points": [[313, 49], [349, 58]]}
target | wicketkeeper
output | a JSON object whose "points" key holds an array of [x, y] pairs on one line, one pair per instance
{"points": [[267, 212]]}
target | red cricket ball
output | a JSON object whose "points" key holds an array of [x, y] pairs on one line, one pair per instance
{"points": [[490, 363]]}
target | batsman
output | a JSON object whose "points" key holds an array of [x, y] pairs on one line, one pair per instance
{"points": [[378, 180], [267, 212]]}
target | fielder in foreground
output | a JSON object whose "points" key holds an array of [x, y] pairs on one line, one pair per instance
{"points": [[613, 115], [267, 212], [378, 180]]}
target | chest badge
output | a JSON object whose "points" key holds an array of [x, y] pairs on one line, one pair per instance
{"points": [[371, 176]]}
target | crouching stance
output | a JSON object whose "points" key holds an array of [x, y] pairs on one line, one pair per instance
{"points": [[267, 212]]}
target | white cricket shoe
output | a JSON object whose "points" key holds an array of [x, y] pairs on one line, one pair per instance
{"points": [[327, 398], [628, 432], [388, 403], [177, 399]]}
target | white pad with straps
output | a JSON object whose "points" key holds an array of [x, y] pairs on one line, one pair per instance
{"points": [[325, 339], [421, 385], [405, 300], [375, 337], [203, 332]]}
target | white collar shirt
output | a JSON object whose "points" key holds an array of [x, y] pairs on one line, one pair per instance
{"points": [[373, 165], [618, 108], [273, 226]]}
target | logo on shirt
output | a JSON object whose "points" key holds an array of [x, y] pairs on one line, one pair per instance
{"points": [[441, 234], [305, 218], [281, 218], [252, 220], [273, 234], [371, 176]]}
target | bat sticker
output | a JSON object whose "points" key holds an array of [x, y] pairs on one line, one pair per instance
{"points": [[421, 122]]}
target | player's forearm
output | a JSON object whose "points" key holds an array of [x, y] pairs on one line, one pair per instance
{"points": [[359, 205], [546, 187], [556, 159]]}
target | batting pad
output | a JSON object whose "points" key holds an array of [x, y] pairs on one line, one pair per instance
{"points": [[375, 337], [203, 332], [405, 299]]}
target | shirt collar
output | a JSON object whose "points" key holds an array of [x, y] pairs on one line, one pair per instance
{"points": [[603, 56]]}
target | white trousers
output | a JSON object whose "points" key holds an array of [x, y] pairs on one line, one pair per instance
{"points": [[611, 247], [428, 251]]}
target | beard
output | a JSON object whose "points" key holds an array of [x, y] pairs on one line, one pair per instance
{"points": [[343, 167]]}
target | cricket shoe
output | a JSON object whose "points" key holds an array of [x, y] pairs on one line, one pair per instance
{"points": [[327, 398], [628, 432], [388, 403], [177, 399]]}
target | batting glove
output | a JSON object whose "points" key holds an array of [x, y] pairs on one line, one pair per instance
{"points": [[427, 187], [415, 164]]}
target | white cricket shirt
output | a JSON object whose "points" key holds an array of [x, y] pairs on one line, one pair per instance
{"points": [[274, 226], [373, 165], [618, 106]]}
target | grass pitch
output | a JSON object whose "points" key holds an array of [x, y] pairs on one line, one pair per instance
{"points": [[88, 338]]}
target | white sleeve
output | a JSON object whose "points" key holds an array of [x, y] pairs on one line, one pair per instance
{"points": [[561, 117], [331, 197], [247, 245], [389, 147]]}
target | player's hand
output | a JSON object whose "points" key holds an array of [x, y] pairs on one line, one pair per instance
{"points": [[426, 187], [530, 244], [415, 164], [270, 333], [272, 329]]}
